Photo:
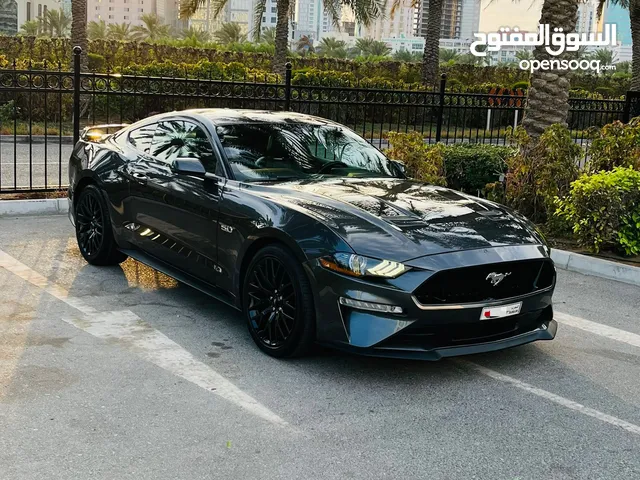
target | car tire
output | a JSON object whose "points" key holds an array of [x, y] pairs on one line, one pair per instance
{"points": [[281, 322], [93, 229]]}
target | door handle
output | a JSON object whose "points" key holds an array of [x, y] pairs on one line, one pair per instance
{"points": [[139, 177]]}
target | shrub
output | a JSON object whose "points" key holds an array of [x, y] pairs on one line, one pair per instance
{"points": [[423, 162], [616, 144], [523, 84], [96, 62], [470, 166], [603, 210], [541, 170]]}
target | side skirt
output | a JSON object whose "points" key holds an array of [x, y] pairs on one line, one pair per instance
{"points": [[181, 276]]}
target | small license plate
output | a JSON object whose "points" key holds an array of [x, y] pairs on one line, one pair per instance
{"points": [[500, 311]]}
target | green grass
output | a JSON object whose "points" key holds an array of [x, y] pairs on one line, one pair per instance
{"points": [[36, 128]]}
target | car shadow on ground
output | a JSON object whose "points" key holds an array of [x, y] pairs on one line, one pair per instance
{"points": [[214, 332]]}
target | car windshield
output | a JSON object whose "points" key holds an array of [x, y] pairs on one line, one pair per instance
{"points": [[286, 151]]}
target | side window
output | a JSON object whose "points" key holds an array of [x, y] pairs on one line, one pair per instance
{"points": [[183, 139], [142, 137]]}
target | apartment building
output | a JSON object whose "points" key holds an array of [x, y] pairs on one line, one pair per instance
{"points": [[460, 18], [32, 9]]}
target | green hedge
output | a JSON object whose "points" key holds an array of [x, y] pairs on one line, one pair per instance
{"points": [[470, 167], [603, 210], [113, 54]]}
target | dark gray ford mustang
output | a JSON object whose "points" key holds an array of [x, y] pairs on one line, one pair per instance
{"points": [[312, 233]]}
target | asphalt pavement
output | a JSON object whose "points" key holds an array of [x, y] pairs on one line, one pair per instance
{"points": [[123, 373], [35, 165]]}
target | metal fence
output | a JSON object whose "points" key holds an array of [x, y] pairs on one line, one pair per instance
{"points": [[42, 112]]}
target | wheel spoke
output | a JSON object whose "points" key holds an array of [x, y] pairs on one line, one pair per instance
{"points": [[271, 298]]}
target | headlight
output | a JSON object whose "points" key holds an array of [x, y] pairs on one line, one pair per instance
{"points": [[359, 266]]}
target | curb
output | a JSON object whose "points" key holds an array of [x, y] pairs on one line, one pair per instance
{"points": [[15, 208], [597, 267]]}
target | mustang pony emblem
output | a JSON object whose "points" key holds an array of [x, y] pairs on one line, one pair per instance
{"points": [[496, 278]]}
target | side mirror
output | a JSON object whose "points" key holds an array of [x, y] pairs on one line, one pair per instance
{"points": [[400, 166], [188, 166]]}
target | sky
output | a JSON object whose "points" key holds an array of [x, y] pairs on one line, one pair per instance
{"points": [[524, 14]]}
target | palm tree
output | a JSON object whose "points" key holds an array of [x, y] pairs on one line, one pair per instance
{"points": [[369, 47], [304, 45], [97, 30], [230, 33], [268, 36], [406, 56], [446, 55], [79, 29], [57, 23], [194, 35], [152, 28], [634, 19], [623, 67], [30, 28], [331, 47], [363, 45], [605, 57], [364, 11], [120, 31], [548, 95], [524, 55], [430, 56]]}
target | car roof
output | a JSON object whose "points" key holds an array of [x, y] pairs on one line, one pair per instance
{"points": [[230, 116]]}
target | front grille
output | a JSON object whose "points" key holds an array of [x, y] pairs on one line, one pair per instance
{"points": [[473, 284]]}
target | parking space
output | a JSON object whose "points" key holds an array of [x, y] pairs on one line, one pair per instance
{"points": [[122, 372]]}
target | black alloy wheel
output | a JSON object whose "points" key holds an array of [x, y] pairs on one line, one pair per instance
{"points": [[278, 303], [93, 229], [90, 225]]}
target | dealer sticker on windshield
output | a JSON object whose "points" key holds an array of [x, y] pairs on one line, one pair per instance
{"points": [[502, 311]]}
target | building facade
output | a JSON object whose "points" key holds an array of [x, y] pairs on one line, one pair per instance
{"points": [[460, 18], [32, 9], [312, 21], [8, 17], [119, 11], [587, 17], [615, 14], [392, 25]]}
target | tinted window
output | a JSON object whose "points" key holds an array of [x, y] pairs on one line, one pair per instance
{"points": [[142, 137], [279, 151], [182, 139]]}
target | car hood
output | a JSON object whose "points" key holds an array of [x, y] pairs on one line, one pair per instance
{"points": [[401, 219]]}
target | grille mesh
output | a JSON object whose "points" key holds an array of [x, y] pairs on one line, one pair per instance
{"points": [[473, 284]]}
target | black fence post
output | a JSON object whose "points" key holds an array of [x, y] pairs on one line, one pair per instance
{"points": [[440, 118], [76, 93], [631, 106], [287, 87]]}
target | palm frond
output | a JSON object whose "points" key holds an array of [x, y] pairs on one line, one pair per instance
{"points": [[258, 12]]}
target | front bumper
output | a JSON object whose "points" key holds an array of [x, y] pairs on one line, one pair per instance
{"points": [[420, 332]]}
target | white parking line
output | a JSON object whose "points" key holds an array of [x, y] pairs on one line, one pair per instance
{"points": [[598, 329], [565, 402], [130, 331]]}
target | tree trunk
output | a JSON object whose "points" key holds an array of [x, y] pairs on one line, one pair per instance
{"points": [[634, 16], [79, 29], [548, 94], [431, 57], [282, 38]]}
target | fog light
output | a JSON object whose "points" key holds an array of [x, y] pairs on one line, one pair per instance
{"points": [[373, 307]]}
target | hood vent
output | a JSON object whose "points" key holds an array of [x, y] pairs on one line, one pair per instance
{"points": [[405, 222]]}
